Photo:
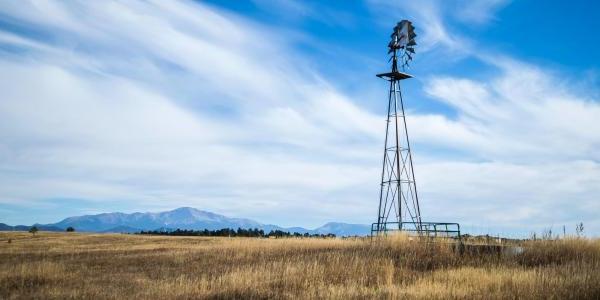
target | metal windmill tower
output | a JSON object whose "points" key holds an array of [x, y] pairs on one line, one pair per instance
{"points": [[398, 198]]}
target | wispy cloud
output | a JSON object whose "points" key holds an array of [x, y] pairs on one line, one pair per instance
{"points": [[522, 114], [169, 104], [161, 104], [478, 11], [528, 145]]}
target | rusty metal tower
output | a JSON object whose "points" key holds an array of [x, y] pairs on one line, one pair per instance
{"points": [[398, 197]]}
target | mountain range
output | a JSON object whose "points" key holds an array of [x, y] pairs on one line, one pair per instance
{"points": [[180, 218]]}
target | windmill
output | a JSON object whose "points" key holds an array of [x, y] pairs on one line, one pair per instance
{"points": [[402, 44], [398, 198]]}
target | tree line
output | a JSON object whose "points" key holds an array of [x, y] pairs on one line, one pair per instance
{"points": [[240, 232]]}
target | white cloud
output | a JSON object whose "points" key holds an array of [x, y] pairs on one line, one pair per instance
{"points": [[94, 112], [523, 114], [532, 143], [161, 104], [478, 11]]}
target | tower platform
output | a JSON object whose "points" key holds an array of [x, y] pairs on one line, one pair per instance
{"points": [[394, 76]]}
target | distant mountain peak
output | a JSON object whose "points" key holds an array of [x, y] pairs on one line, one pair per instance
{"points": [[191, 219], [186, 209]]}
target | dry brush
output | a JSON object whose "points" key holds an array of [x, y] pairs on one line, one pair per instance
{"points": [[75, 265]]}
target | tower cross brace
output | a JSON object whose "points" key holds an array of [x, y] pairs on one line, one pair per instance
{"points": [[398, 197]]}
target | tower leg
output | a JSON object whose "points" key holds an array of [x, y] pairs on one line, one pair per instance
{"points": [[398, 200]]}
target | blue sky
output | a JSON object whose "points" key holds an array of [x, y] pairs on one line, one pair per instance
{"points": [[270, 110]]}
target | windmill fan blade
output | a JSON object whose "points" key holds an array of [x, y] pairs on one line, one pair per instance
{"points": [[407, 25], [403, 38]]}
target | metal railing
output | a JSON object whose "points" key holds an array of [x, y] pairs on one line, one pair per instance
{"points": [[426, 229]]}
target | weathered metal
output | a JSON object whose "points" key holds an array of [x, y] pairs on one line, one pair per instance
{"points": [[398, 190], [398, 198]]}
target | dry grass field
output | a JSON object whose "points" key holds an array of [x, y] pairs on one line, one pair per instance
{"points": [[61, 265]]}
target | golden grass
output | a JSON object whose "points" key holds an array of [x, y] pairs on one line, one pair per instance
{"points": [[73, 265]]}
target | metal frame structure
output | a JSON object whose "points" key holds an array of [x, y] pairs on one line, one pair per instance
{"points": [[398, 198], [425, 229]]}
